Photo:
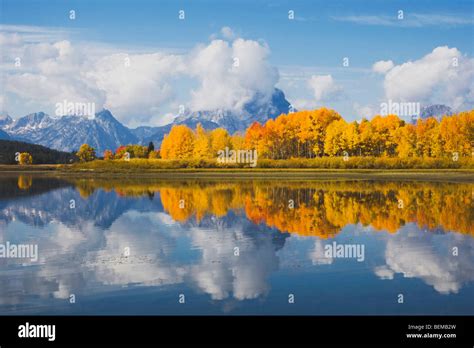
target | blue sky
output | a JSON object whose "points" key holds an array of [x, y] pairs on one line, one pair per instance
{"points": [[313, 44]]}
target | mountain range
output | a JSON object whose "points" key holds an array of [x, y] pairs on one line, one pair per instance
{"points": [[104, 131]]}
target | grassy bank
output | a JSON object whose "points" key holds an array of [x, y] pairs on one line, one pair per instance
{"points": [[5, 168], [321, 168], [325, 163]]}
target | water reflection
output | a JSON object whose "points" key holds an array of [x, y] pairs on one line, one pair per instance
{"points": [[416, 255], [227, 242]]}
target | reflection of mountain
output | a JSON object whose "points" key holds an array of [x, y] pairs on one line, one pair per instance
{"points": [[53, 199], [75, 259], [306, 208], [82, 249], [16, 187]]}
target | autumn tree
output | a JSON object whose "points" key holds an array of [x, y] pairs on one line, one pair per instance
{"points": [[351, 138], [137, 151], [334, 143], [202, 143], [108, 155], [25, 158], [253, 136], [298, 134], [120, 152], [366, 138], [237, 142], [425, 132], [321, 119], [86, 153], [323, 132], [154, 154], [178, 144], [406, 139], [220, 139], [457, 133], [384, 134]]}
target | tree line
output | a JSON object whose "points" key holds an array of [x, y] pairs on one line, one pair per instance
{"points": [[12, 152], [314, 134], [323, 132], [317, 208]]}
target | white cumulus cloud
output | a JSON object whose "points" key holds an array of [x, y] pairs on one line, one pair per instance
{"points": [[444, 75], [324, 87], [135, 86], [382, 66], [231, 75]]}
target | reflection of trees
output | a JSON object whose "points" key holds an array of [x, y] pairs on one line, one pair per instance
{"points": [[25, 182], [85, 188], [320, 208], [13, 186], [182, 203], [324, 210]]}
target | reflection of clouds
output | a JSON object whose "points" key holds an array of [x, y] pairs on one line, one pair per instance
{"points": [[417, 256], [63, 281], [220, 272], [84, 258], [55, 274], [317, 256], [383, 272], [81, 256], [66, 238], [147, 263]]}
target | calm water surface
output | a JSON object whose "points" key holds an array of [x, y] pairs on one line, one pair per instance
{"points": [[236, 247]]}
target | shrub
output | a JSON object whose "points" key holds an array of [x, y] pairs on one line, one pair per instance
{"points": [[25, 158], [86, 153]]}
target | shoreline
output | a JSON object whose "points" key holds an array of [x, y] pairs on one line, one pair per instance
{"points": [[457, 175]]}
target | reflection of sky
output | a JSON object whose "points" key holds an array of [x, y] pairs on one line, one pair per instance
{"points": [[83, 255], [430, 257]]}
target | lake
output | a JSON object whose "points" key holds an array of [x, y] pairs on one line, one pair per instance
{"points": [[229, 246]]}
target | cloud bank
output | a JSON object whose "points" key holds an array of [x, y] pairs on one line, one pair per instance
{"points": [[223, 74], [444, 75]]}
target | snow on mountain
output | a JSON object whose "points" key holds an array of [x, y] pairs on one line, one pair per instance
{"points": [[68, 133], [143, 132], [30, 123], [258, 109], [437, 111], [5, 120]]}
